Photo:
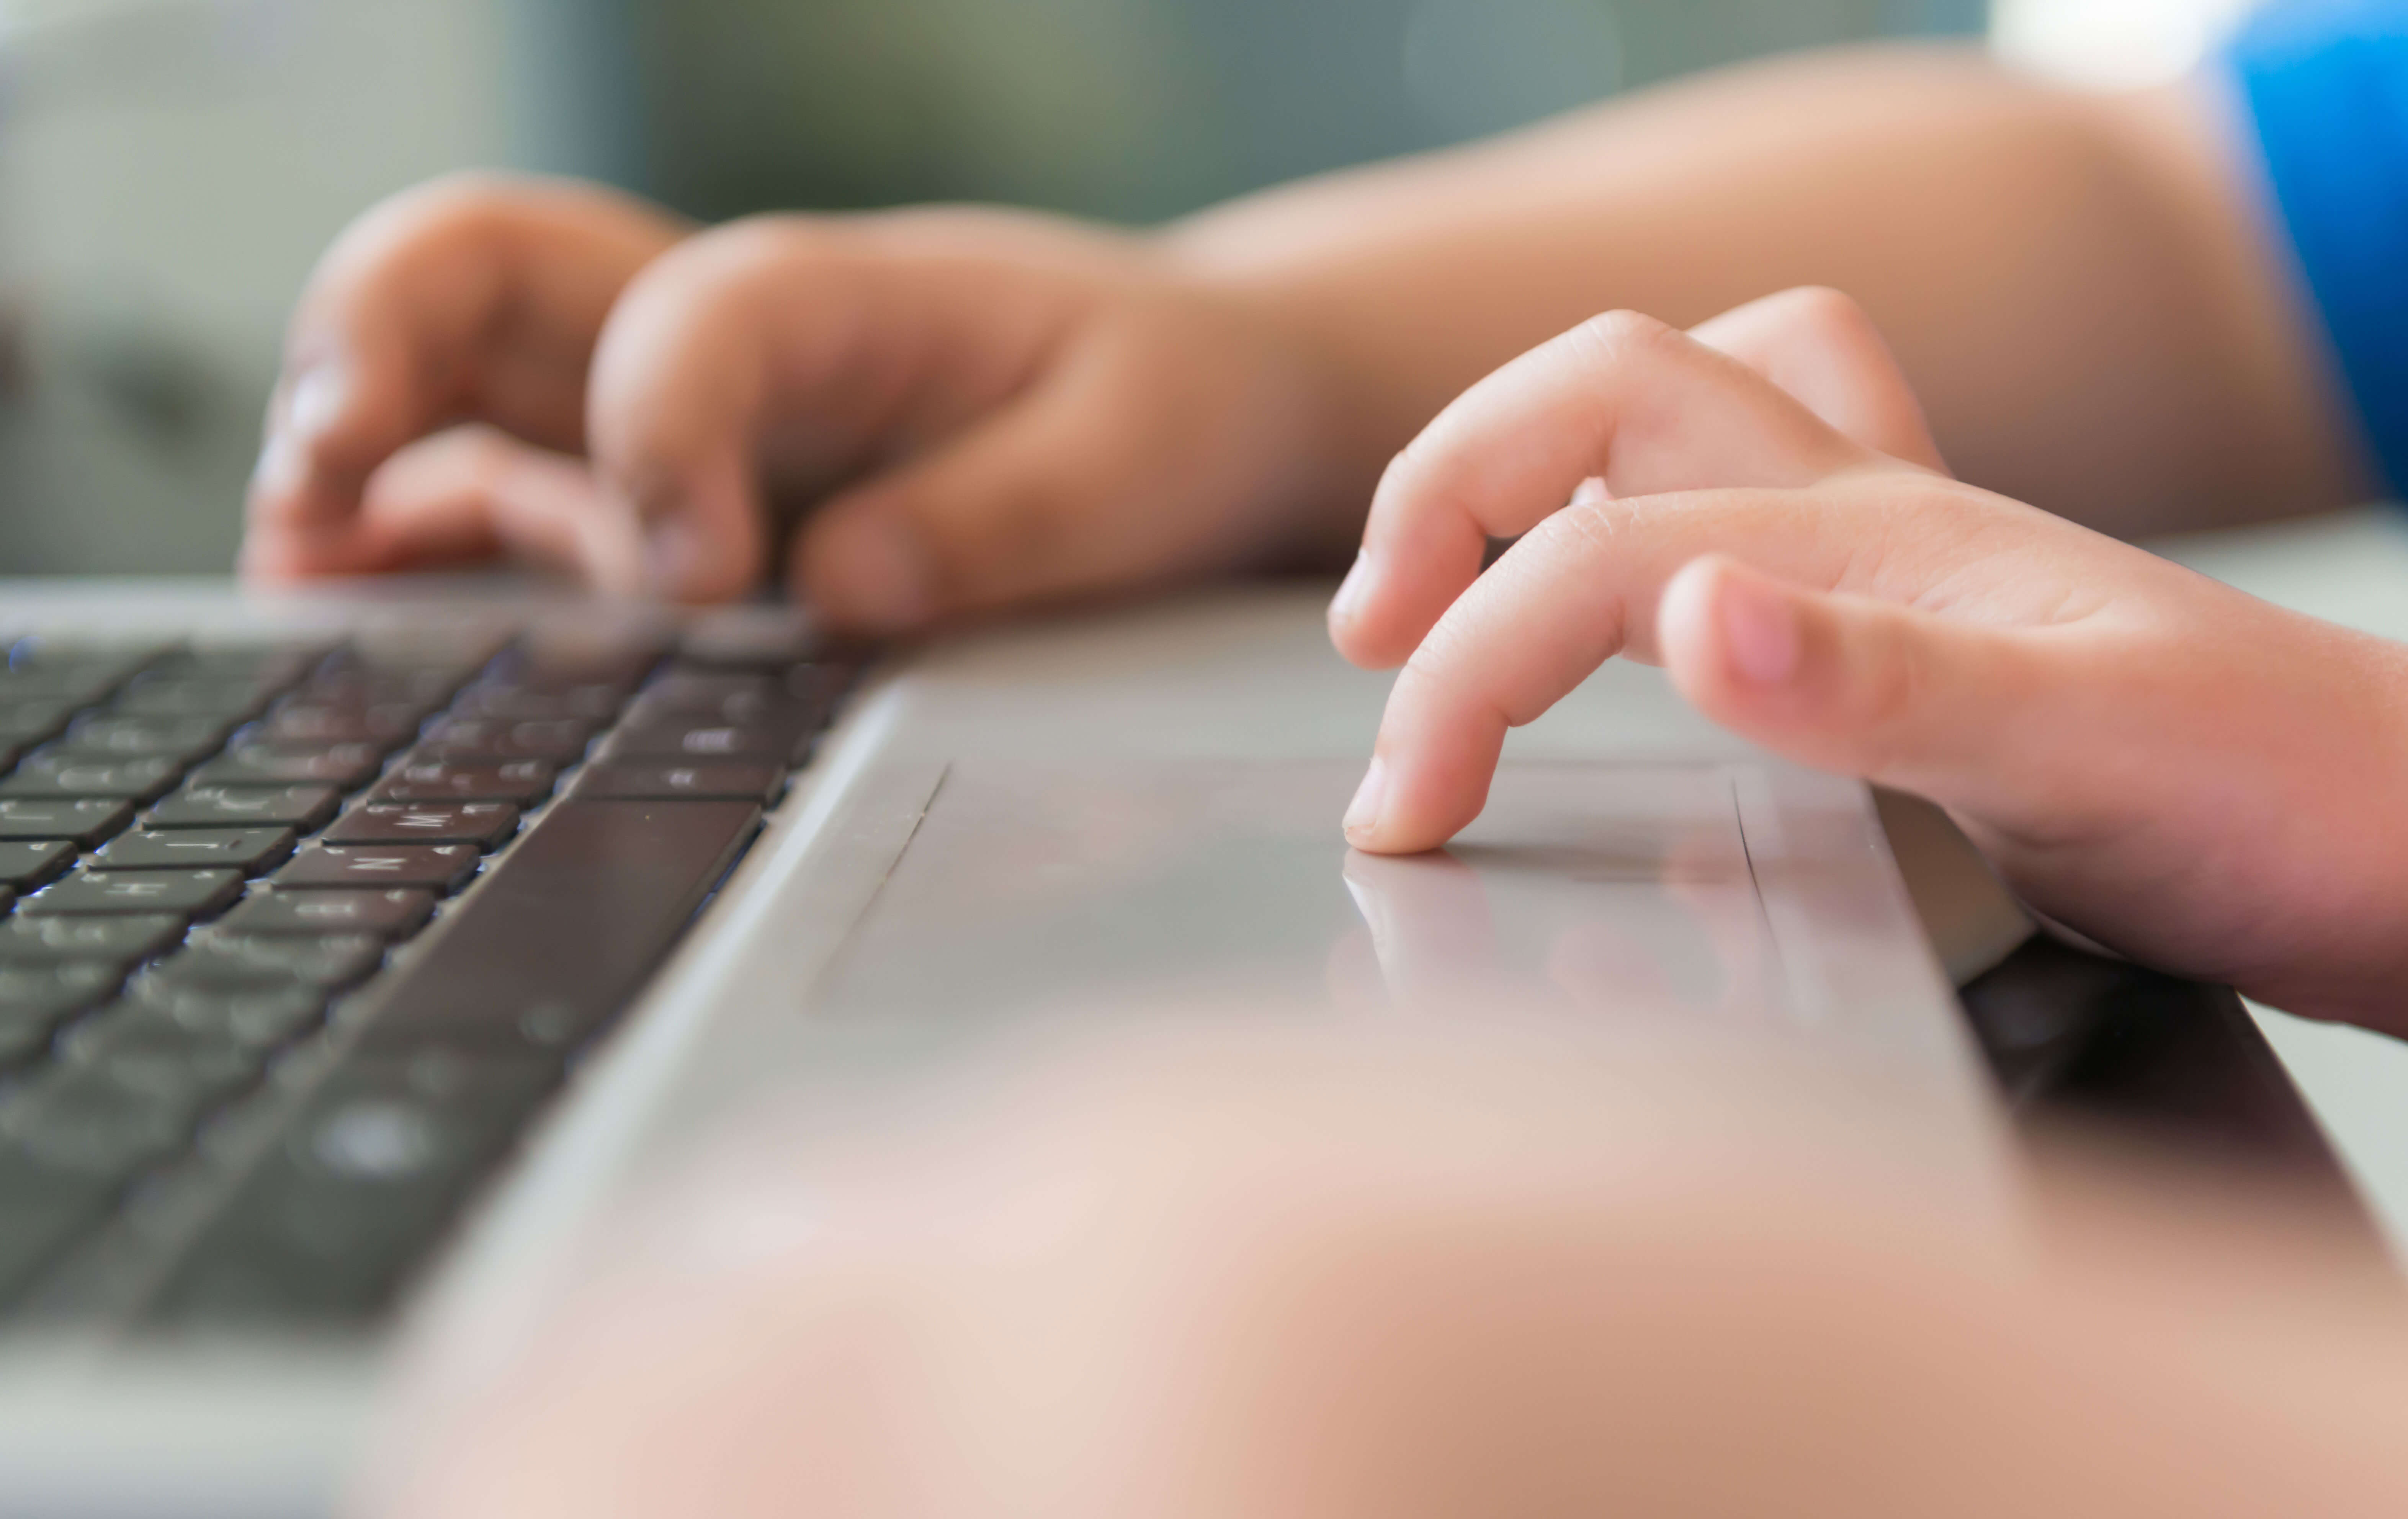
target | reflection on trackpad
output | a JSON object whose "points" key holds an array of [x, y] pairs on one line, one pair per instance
{"points": [[1604, 890]]}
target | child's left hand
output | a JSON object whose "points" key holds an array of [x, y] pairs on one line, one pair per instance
{"points": [[2204, 781]]}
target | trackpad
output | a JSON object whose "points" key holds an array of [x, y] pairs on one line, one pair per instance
{"points": [[1619, 891]]}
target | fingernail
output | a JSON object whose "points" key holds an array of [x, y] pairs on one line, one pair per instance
{"points": [[279, 472], [879, 577], [315, 401], [1591, 493], [1352, 590], [1762, 626], [1363, 813]]}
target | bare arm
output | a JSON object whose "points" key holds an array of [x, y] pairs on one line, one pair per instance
{"points": [[2078, 285]]}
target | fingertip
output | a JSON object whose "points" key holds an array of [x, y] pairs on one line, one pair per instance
{"points": [[266, 561], [1368, 622], [284, 557], [1428, 781], [868, 572], [318, 402], [1346, 611], [683, 561]]}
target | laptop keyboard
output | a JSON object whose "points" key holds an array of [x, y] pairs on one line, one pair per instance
{"points": [[296, 938]]}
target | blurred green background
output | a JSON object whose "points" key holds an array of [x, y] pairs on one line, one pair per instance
{"points": [[169, 168]]}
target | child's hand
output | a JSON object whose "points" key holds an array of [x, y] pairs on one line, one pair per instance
{"points": [[2187, 774], [979, 409]]}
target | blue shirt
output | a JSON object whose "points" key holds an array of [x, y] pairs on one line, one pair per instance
{"points": [[2326, 82]]}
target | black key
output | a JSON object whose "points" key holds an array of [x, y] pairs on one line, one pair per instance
{"points": [[26, 1030], [51, 773], [494, 740], [743, 701], [459, 650], [576, 916], [110, 736], [672, 739], [25, 1033], [43, 1210], [375, 1167], [258, 1017], [216, 959], [485, 825], [749, 638], [75, 1119], [590, 702], [306, 724], [167, 696], [251, 851], [302, 808], [86, 821], [188, 892], [273, 664], [813, 685], [439, 867], [258, 765], [425, 689], [113, 940], [52, 992], [559, 654], [30, 720], [394, 914], [7, 899], [71, 688], [83, 670], [640, 780], [143, 1049], [679, 689], [441, 781], [26, 865]]}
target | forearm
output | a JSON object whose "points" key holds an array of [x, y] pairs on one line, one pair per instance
{"points": [[2075, 284]]}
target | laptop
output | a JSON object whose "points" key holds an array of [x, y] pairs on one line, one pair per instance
{"points": [[361, 944]]}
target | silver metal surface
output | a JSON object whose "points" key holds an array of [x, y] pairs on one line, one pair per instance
{"points": [[1090, 816]]}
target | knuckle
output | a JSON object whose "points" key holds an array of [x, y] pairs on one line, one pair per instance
{"points": [[1614, 338], [1431, 675], [460, 196], [463, 208], [732, 261], [1448, 673], [770, 241], [1584, 525], [473, 207], [1823, 309]]}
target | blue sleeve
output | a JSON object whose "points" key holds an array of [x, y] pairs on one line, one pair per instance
{"points": [[2325, 83]]}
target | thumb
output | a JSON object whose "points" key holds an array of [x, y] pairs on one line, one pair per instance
{"points": [[1855, 686]]}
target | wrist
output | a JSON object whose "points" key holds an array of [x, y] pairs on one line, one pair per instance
{"points": [[1349, 419]]}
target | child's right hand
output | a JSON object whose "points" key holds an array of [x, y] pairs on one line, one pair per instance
{"points": [[978, 408], [2201, 780]]}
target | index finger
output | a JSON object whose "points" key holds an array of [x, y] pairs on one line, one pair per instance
{"points": [[467, 299], [1578, 590], [1647, 409]]}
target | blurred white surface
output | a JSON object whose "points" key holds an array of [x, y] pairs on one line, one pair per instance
{"points": [[170, 170], [2110, 44], [2353, 569]]}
